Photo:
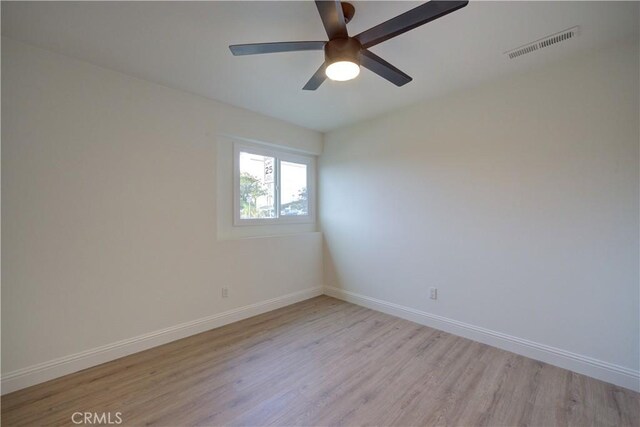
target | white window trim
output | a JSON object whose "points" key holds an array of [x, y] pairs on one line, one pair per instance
{"points": [[279, 155]]}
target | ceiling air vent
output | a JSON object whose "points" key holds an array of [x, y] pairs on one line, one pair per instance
{"points": [[544, 42]]}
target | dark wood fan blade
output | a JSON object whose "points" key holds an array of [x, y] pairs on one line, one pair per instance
{"points": [[316, 80], [332, 19], [258, 48], [408, 21], [382, 68]]}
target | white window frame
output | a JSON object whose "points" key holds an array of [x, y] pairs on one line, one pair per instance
{"points": [[279, 155]]}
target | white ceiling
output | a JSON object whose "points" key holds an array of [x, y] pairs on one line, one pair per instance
{"points": [[184, 45]]}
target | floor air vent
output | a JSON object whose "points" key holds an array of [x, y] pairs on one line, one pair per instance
{"points": [[544, 42]]}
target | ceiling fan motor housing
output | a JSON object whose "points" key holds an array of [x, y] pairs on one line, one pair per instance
{"points": [[342, 50]]}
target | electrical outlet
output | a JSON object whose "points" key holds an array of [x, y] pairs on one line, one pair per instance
{"points": [[225, 292], [433, 293]]}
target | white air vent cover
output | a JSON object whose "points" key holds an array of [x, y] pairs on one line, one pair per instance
{"points": [[544, 42]]}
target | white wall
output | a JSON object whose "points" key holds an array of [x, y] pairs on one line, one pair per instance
{"points": [[109, 213], [517, 199]]}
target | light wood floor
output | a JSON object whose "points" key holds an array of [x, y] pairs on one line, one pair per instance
{"points": [[326, 362]]}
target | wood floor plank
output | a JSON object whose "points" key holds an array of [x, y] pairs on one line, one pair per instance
{"points": [[326, 362]]}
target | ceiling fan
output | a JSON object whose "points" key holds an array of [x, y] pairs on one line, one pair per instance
{"points": [[344, 54]]}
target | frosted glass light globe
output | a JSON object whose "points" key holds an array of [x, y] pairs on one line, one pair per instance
{"points": [[342, 71]]}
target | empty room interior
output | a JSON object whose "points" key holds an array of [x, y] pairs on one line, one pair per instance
{"points": [[320, 213]]}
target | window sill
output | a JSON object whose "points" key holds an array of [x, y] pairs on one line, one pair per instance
{"points": [[272, 222], [284, 235]]}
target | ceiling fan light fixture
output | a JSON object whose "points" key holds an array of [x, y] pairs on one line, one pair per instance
{"points": [[341, 71], [344, 54], [342, 57]]}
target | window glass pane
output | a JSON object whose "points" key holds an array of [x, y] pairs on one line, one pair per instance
{"points": [[257, 176], [293, 180]]}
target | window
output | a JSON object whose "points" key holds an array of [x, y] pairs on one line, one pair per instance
{"points": [[272, 186]]}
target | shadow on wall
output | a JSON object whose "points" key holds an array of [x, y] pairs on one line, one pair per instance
{"points": [[331, 278]]}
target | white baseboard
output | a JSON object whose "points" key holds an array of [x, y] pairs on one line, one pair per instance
{"points": [[614, 374], [46, 371]]}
